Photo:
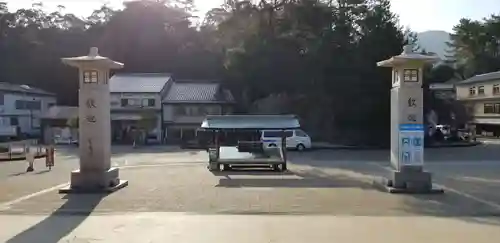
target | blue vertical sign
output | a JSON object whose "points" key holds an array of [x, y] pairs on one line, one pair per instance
{"points": [[411, 144]]}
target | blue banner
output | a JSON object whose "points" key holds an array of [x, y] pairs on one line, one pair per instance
{"points": [[411, 127]]}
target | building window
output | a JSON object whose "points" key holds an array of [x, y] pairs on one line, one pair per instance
{"points": [[472, 91], [180, 110], [124, 102], [151, 102], [496, 89], [213, 110], [135, 102], [410, 75], [196, 110], [192, 110], [490, 108], [14, 121], [20, 105], [90, 77], [480, 90], [34, 105], [28, 105], [2, 95]]}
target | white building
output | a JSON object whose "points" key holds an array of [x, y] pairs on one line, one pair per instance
{"points": [[177, 107], [21, 107], [132, 97]]}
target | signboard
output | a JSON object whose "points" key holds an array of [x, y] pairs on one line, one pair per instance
{"points": [[410, 106], [411, 145]]}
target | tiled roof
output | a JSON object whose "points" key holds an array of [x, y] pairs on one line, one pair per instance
{"points": [[8, 87], [138, 82], [61, 112], [482, 78], [203, 92]]}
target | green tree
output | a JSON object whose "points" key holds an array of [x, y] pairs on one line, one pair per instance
{"points": [[72, 122], [475, 45], [315, 58], [148, 121]]}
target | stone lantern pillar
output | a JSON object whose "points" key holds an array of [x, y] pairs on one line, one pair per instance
{"points": [[95, 173], [407, 123]]}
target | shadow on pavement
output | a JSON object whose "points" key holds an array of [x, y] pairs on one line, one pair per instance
{"points": [[42, 172], [476, 201], [62, 221], [303, 179], [29, 173], [18, 174], [452, 204], [253, 172]]}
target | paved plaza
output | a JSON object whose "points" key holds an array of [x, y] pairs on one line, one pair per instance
{"points": [[172, 196]]}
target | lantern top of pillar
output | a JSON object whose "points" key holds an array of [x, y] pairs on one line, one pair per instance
{"points": [[92, 59], [408, 56]]}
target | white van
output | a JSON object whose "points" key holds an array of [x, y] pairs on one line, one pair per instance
{"points": [[295, 139]]}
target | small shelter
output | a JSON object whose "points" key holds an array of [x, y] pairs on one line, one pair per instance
{"points": [[235, 140]]}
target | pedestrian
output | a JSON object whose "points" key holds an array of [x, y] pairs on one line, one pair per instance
{"points": [[30, 157]]}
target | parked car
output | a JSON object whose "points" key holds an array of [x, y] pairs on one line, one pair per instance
{"points": [[64, 140], [445, 129], [295, 139]]}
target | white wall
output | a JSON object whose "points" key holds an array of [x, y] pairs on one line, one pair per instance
{"points": [[170, 116], [168, 112], [463, 90], [8, 110]]}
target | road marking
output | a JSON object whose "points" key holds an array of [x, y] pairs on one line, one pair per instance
{"points": [[463, 194], [8, 204]]}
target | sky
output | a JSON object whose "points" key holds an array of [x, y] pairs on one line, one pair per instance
{"points": [[421, 15]]}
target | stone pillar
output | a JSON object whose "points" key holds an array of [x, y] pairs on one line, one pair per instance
{"points": [[407, 123], [95, 173]]}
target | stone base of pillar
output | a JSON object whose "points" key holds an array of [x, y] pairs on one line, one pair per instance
{"points": [[95, 182], [409, 182]]}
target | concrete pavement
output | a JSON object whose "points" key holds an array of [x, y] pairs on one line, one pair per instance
{"points": [[327, 194], [16, 183], [181, 227]]}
